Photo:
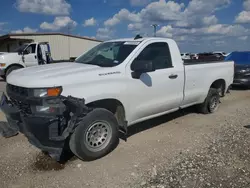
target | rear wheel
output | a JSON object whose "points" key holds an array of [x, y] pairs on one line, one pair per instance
{"points": [[12, 68], [96, 135], [211, 103]]}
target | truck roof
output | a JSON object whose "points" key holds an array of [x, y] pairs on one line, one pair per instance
{"points": [[140, 39]]}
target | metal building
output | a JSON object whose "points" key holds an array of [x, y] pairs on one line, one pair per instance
{"points": [[63, 46]]}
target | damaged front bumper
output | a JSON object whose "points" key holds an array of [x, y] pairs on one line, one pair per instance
{"points": [[46, 132]]}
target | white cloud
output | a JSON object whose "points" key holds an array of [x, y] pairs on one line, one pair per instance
{"points": [[193, 24], [104, 33], [135, 26], [228, 30], [199, 13], [25, 30], [166, 31], [243, 38], [243, 17], [154, 12], [59, 23], [222, 30], [90, 22], [162, 11], [139, 2], [52, 7], [210, 20], [246, 5], [122, 15], [205, 7]]}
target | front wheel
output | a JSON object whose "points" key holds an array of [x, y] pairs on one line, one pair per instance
{"points": [[12, 68], [96, 135], [211, 103]]}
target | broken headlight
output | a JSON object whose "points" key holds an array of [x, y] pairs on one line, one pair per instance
{"points": [[51, 104], [53, 109]]}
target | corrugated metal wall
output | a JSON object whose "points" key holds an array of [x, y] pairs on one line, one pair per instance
{"points": [[63, 47]]}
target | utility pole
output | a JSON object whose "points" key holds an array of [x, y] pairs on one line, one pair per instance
{"points": [[155, 26]]}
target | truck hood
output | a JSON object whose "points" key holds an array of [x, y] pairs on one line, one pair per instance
{"points": [[9, 57], [58, 74]]}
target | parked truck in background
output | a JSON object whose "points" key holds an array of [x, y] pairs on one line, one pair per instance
{"points": [[82, 106], [27, 55], [185, 56], [242, 68]]}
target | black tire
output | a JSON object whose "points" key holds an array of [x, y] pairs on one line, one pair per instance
{"points": [[85, 146], [211, 103], [12, 68]]}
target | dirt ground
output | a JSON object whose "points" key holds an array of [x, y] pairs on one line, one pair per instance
{"points": [[183, 149]]}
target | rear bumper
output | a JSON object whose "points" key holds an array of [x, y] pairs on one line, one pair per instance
{"points": [[47, 133]]}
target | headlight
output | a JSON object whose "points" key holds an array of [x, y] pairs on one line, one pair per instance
{"points": [[50, 105], [47, 92], [51, 109]]}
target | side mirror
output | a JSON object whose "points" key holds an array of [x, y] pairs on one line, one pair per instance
{"points": [[139, 67]]}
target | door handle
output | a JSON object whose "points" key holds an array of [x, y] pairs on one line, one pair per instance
{"points": [[35, 56], [173, 76]]}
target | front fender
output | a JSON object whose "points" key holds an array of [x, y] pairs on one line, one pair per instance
{"points": [[94, 91]]}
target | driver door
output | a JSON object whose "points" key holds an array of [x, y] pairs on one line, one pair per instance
{"points": [[159, 91], [30, 55]]}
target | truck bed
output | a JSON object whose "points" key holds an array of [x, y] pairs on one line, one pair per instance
{"points": [[198, 78]]}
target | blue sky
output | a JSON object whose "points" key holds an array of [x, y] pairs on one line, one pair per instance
{"points": [[196, 25]]}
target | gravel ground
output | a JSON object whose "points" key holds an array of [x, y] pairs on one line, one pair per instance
{"points": [[224, 162], [183, 149]]}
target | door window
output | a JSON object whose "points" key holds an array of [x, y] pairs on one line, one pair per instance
{"points": [[158, 53], [31, 49]]}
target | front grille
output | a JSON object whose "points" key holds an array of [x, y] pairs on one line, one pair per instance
{"points": [[22, 106], [21, 91], [18, 95]]}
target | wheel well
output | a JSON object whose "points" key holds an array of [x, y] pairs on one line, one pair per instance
{"points": [[13, 65], [219, 84], [114, 106]]}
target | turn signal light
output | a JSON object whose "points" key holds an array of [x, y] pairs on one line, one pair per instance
{"points": [[54, 92]]}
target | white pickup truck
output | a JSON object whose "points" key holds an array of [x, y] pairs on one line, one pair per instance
{"points": [[85, 104], [27, 55]]}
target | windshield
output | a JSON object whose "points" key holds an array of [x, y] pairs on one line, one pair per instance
{"points": [[21, 48], [107, 54]]}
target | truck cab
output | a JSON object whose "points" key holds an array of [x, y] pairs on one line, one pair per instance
{"points": [[27, 55]]}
